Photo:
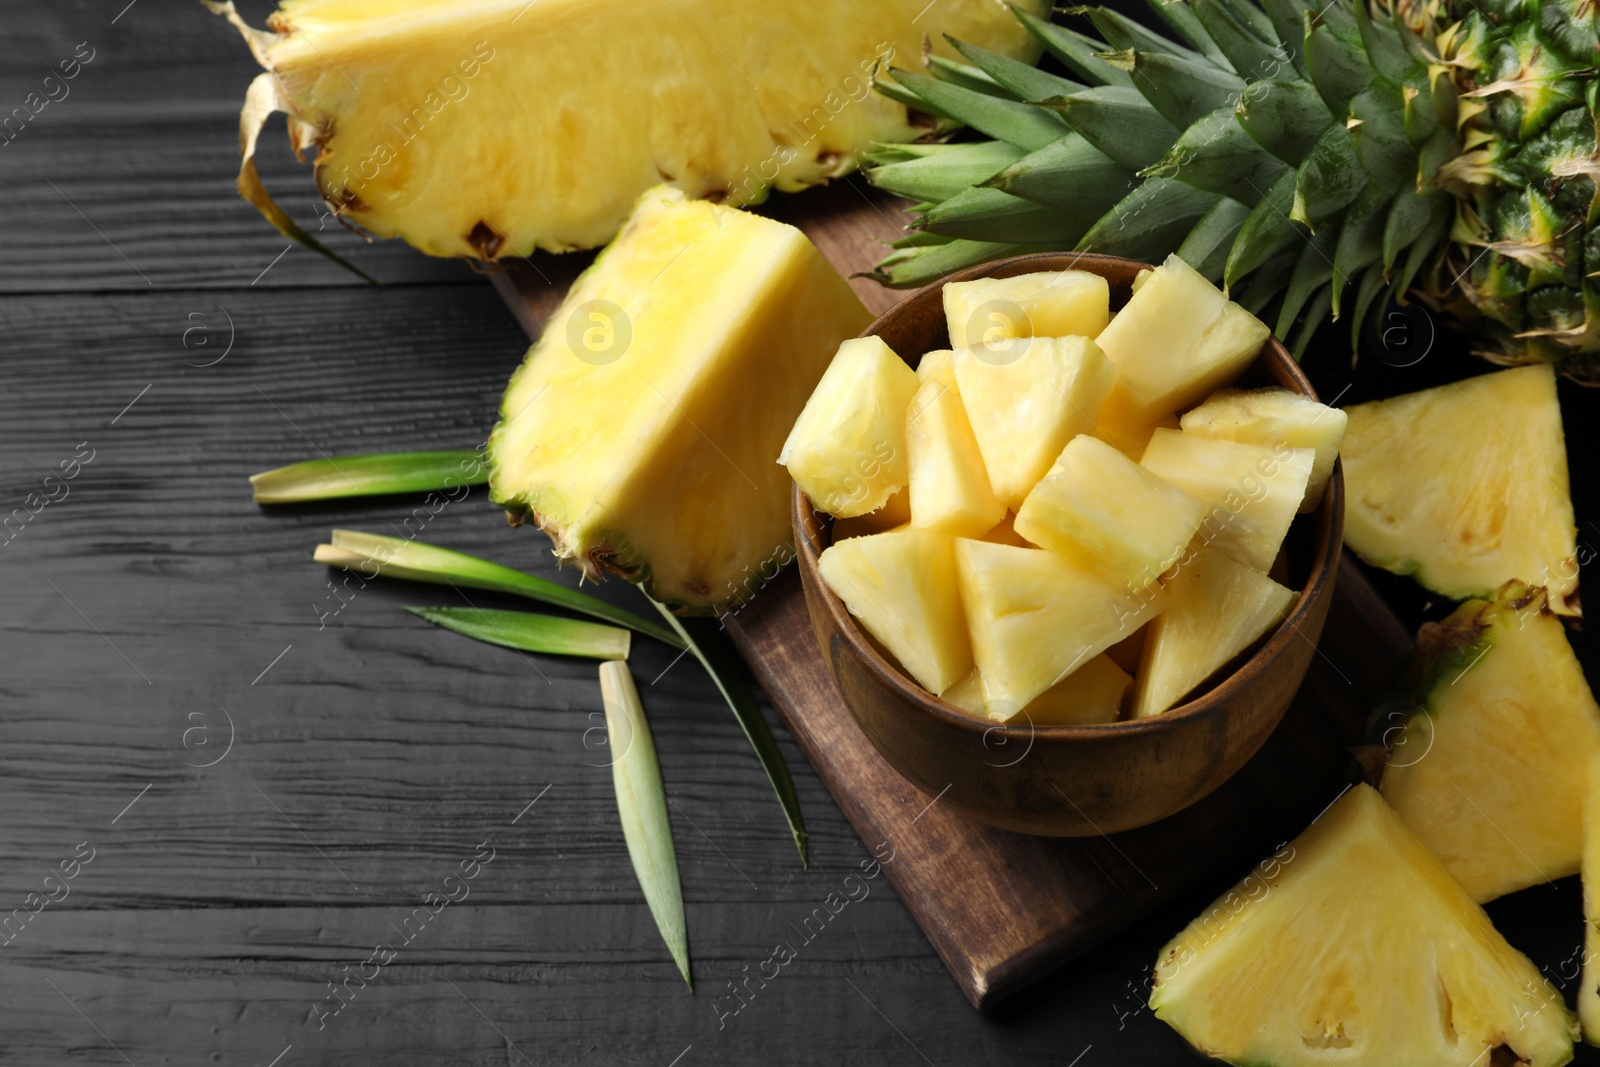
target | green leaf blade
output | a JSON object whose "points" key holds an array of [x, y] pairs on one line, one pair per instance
{"points": [[1009, 120], [528, 632], [375, 474]]}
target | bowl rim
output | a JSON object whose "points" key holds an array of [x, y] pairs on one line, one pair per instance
{"points": [[1329, 532]]}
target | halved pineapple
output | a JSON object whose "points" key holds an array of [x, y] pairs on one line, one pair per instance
{"points": [[1274, 416], [639, 432], [903, 587], [1353, 946], [1490, 771], [1216, 608], [1589, 982], [1090, 694], [1177, 339], [1035, 617], [1026, 398], [949, 486], [847, 450], [1099, 506], [985, 311], [1464, 487], [1254, 490]]}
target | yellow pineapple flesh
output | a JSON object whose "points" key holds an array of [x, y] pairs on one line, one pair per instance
{"points": [[1353, 946], [1069, 303], [847, 450], [1491, 769], [1464, 486], [1589, 980], [641, 430], [949, 486], [896, 512], [1274, 416], [1091, 694]]}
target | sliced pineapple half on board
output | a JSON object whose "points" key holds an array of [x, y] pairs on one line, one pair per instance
{"points": [[847, 450], [1068, 303], [1216, 609], [1589, 980], [1490, 770], [1357, 950], [1464, 486], [1272, 416]]}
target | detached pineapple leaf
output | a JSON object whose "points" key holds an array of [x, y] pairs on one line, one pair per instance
{"points": [[700, 635], [400, 558], [529, 632], [377, 474], [642, 807]]}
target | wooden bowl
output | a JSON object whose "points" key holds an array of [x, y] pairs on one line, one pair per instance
{"points": [[1073, 781]]}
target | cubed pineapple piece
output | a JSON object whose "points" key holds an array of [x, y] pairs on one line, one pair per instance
{"points": [[1090, 694], [847, 450], [1216, 608], [937, 366], [1035, 617], [950, 489], [893, 515], [1026, 398], [1068, 303], [1099, 506], [1589, 984], [1270, 417], [1177, 339], [1124, 428], [1254, 490], [903, 587]]}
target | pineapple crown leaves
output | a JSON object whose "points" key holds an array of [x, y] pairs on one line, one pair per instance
{"points": [[1310, 158]]}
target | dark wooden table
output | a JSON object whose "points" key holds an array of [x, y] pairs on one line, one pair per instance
{"points": [[155, 620]]}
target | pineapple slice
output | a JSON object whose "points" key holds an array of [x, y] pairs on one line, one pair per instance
{"points": [[1068, 303], [1098, 505], [893, 515], [1270, 417], [1489, 771], [1177, 339], [639, 432], [1254, 490], [847, 450], [1026, 398], [1589, 983], [1216, 609], [902, 585], [1090, 694], [949, 486], [1464, 487], [1035, 617], [1353, 946]]}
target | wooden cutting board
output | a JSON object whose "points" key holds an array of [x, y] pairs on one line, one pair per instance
{"points": [[1004, 909]]}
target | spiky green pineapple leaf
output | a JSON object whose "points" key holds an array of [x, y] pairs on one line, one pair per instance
{"points": [[530, 632], [1010, 120], [375, 474], [1126, 35], [1206, 247], [940, 176], [1182, 21], [1247, 53], [1181, 91], [1360, 239], [967, 77], [1075, 51], [1154, 216], [1329, 179], [1118, 121], [1285, 117], [1267, 232], [1335, 66], [1022, 80], [1217, 155], [925, 264], [994, 215], [1312, 272], [1070, 175]]}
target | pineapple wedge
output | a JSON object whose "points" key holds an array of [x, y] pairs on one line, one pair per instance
{"points": [[1254, 490], [1354, 947], [1589, 982], [985, 311], [639, 432], [1035, 617], [937, 366], [1464, 486], [847, 450], [1090, 694], [1490, 771], [1177, 339], [1005, 533], [1026, 398], [1097, 505], [902, 585], [1270, 417], [949, 487], [893, 515], [1216, 609], [1124, 428]]}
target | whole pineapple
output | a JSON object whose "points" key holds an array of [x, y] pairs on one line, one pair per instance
{"points": [[1313, 158]]}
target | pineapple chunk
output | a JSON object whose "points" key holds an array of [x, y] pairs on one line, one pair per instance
{"points": [[847, 450], [1270, 417], [1464, 487], [893, 515], [903, 587], [640, 430], [1068, 303], [1125, 429], [1353, 946], [1177, 339], [1005, 533], [1026, 398], [1254, 490], [1589, 983], [1090, 694], [1216, 609], [949, 486], [1035, 617], [1096, 504], [937, 366], [1490, 770]]}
